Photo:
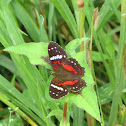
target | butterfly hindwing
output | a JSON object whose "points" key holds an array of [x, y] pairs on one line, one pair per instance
{"points": [[72, 65], [57, 55], [77, 86], [57, 89]]}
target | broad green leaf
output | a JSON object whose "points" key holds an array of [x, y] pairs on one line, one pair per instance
{"points": [[87, 100], [34, 51], [71, 46]]}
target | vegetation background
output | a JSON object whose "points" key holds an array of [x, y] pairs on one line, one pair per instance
{"points": [[23, 85]]}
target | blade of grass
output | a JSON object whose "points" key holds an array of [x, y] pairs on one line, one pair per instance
{"points": [[98, 44], [78, 114], [120, 79], [27, 71], [14, 95], [26, 20], [50, 20], [66, 13], [16, 109], [43, 35], [8, 64], [106, 13], [111, 77]]}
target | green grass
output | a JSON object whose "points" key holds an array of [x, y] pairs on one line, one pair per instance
{"points": [[97, 41]]}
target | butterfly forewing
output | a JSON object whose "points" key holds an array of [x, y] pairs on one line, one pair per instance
{"points": [[73, 66], [57, 89], [57, 55], [77, 86]]}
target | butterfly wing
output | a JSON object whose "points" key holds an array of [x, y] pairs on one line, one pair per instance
{"points": [[57, 89], [57, 55], [68, 72], [73, 66], [75, 85]]}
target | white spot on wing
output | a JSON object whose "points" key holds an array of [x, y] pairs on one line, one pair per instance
{"points": [[52, 58], [58, 88], [60, 56], [56, 57]]}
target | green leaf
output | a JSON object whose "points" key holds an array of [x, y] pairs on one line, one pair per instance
{"points": [[96, 56], [50, 20], [87, 100], [8, 64], [106, 93], [42, 34], [11, 23], [72, 45], [34, 51], [109, 46], [26, 20], [55, 112]]}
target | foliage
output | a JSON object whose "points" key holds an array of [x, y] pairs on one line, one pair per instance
{"points": [[96, 39]]}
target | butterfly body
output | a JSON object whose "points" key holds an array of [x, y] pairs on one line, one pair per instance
{"points": [[68, 72]]}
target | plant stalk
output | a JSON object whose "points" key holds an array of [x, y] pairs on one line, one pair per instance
{"points": [[65, 113]]}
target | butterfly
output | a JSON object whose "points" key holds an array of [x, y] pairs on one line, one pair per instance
{"points": [[68, 72]]}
